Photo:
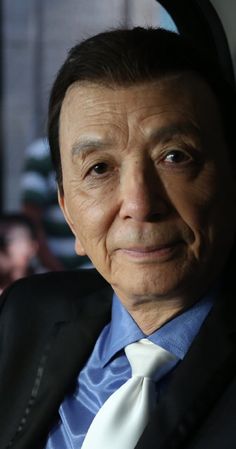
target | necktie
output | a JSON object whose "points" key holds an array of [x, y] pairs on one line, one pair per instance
{"points": [[122, 418]]}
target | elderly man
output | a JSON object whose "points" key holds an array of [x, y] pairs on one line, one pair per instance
{"points": [[142, 355]]}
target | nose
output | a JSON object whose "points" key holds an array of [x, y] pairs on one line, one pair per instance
{"points": [[143, 196]]}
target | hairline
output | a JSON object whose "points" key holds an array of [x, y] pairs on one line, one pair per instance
{"points": [[113, 85]]}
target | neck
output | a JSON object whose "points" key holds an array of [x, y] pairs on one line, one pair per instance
{"points": [[149, 319], [151, 313]]}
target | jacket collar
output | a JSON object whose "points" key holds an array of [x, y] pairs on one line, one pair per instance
{"points": [[188, 398], [199, 380], [69, 343]]}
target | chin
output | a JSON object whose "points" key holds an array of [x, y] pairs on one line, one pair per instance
{"points": [[141, 286], [173, 279]]}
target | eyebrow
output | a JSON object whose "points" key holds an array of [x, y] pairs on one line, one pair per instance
{"points": [[174, 130], [88, 144]]}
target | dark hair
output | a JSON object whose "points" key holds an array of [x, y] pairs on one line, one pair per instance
{"points": [[124, 57]]}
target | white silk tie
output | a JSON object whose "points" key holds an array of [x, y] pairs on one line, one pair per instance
{"points": [[123, 417]]}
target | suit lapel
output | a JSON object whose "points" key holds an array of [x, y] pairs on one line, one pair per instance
{"points": [[68, 347], [197, 382]]}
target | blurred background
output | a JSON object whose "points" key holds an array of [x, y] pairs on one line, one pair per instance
{"points": [[35, 38], [36, 35]]}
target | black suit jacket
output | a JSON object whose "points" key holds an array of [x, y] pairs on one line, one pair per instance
{"points": [[48, 326]]}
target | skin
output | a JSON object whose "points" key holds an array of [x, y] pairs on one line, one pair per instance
{"points": [[15, 258], [149, 190], [21, 249]]}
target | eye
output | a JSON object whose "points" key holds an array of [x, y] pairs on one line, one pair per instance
{"points": [[177, 157], [99, 168]]}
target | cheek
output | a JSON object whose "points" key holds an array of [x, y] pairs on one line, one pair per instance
{"points": [[192, 201], [208, 211], [92, 219], [199, 203]]}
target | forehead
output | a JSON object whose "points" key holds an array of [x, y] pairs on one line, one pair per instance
{"points": [[94, 108]]}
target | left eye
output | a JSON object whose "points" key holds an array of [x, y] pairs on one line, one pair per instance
{"points": [[99, 168], [177, 157]]}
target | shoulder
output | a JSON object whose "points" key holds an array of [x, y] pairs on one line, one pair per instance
{"points": [[51, 295]]}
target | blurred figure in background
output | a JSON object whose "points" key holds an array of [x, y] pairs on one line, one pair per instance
{"points": [[18, 249], [40, 204]]}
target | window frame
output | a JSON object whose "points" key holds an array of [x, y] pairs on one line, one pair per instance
{"points": [[190, 16]]}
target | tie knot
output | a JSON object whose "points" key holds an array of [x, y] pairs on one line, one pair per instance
{"points": [[149, 360]]}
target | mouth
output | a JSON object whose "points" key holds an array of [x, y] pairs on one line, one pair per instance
{"points": [[160, 252]]}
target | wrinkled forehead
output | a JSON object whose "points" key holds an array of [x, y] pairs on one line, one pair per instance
{"points": [[188, 87], [94, 107]]}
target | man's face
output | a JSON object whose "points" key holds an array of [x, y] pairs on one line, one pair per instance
{"points": [[148, 188]]}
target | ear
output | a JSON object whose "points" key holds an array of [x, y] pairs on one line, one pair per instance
{"points": [[63, 205]]}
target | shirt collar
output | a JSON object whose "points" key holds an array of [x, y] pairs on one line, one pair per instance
{"points": [[175, 336], [121, 331]]}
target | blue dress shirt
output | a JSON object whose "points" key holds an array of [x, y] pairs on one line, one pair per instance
{"points": [[108, 368]]}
